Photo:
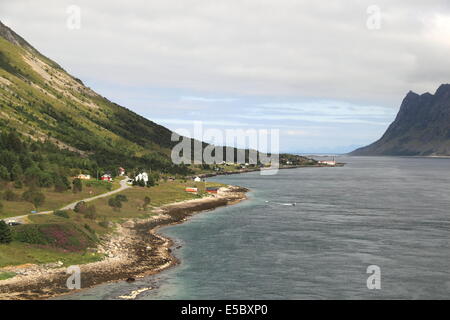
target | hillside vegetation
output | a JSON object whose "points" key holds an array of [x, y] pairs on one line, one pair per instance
{"points": [[41, 102]]}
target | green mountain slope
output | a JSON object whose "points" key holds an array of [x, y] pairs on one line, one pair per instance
{"points": [[43, 102], [56, 116]]}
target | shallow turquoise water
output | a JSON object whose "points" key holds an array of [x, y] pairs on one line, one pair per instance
{"points": [[390, 212]]}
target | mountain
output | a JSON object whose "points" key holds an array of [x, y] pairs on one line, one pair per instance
{"points": [[421, 128], [42, 101], [51, 123]]}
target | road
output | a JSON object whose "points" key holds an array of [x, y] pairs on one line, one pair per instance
{"points": [[123, 186]]}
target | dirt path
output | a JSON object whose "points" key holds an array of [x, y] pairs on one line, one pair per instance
{"points": [[123, 186]]}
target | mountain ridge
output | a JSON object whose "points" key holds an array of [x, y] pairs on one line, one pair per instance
{"points": [[421, 127], [41, 101]]}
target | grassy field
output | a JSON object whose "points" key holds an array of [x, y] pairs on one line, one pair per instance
{"points": [[7, 275], [55, 200], [18, 253], [164, 193]]}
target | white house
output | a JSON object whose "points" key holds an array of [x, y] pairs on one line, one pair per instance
{"points": [[142, 176], [197, 179], [328, 162]]}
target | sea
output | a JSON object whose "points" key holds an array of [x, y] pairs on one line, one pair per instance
{"points": [[376, 228]]}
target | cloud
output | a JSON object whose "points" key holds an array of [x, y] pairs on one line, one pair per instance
{"points": [[210, 123], [296, 132], [260, 47], [310, 68], [203, 99], [322, 112]]}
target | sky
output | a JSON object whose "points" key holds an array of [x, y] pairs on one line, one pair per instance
{"points": [[330, 75]]}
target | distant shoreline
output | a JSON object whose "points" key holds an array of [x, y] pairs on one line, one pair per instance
{"points": [[224, 173]]}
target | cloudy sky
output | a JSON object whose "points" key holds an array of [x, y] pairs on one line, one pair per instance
{"points": [[329, 75]]}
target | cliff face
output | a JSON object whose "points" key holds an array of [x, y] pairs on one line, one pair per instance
{"points": [[422, 127]]}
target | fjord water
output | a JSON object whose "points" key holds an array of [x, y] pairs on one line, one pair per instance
{"points": [[389, 212]]}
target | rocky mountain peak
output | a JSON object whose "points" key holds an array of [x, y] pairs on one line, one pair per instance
{"points": [[422, 127]]}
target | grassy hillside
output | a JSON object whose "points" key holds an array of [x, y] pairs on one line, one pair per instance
{"points": [[42, 102]]}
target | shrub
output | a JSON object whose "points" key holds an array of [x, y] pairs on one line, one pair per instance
{"points": [[103, 224], [147, 201], [61, 184], [5, 233], [65, 236], [91, 213], [61, 213], [4, 173], [9, 195], [18, 184], [88, 228], [77, 185], [30, 234], [122, 198], [115, 204], [80, 207], [37, 198]]}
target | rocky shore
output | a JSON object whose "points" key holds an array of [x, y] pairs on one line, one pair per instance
{"points": [[134, 250]]}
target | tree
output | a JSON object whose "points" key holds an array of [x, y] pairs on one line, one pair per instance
{"points": [[150, 182], [33, 175], [77, 185], [14, 143], [4, 173], [61, 184], [18, 184], [16, 172], [36, 197], [5, 233]]}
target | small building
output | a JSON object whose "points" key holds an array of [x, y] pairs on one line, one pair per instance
{"points": [[191, 189], [142, 176], [197, 179], [212, 190], [328, 162], [121, 171], [82, 176], [106, 177]]}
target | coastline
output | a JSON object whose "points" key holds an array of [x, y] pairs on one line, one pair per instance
{"points": [[134, 250], [284, 167]]}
